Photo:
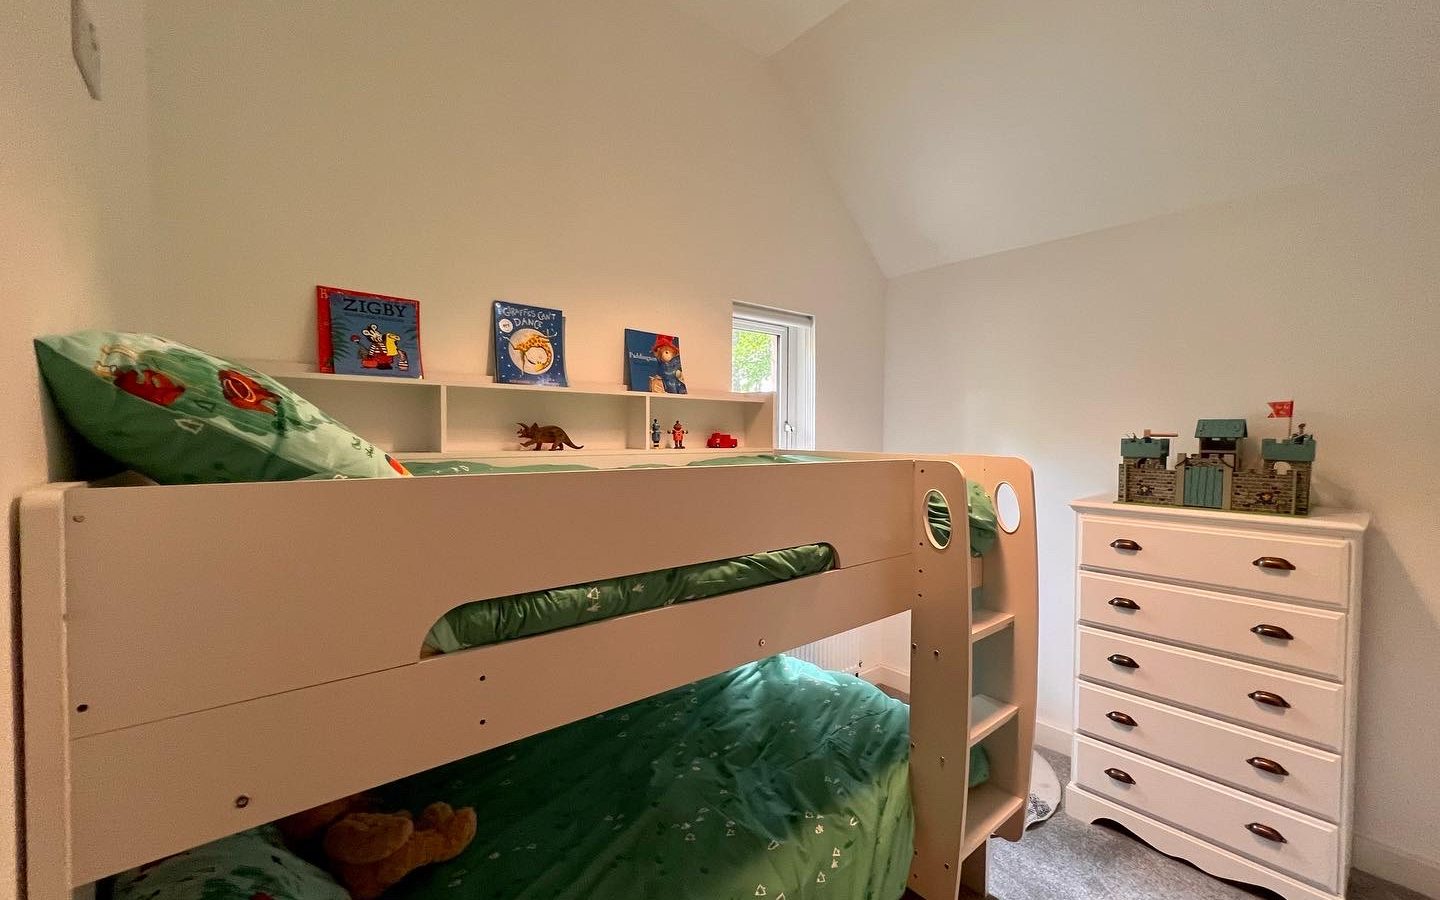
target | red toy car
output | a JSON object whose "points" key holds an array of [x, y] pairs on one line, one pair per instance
{"points": [[720, 440]]}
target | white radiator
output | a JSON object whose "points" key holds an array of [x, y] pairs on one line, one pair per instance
{"points": [[841, 653]]}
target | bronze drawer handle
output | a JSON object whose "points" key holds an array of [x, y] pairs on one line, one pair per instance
{"points": [[1266, 832], [1120, 718], [1124, 603], [1120, 775], [1274, 562], [1121, 659], [1267, 765], [1125, 544], [1269, 699], [1273, 631]]}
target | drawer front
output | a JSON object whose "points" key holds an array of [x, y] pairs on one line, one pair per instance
{"points": [[1316, 637], [1227, 558], [1315, 710], [1310, 850], [1307, 778]]}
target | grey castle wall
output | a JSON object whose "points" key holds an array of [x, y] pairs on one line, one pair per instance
{"points": [[1143, 484]]}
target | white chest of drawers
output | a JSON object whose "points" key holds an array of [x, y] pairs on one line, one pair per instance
{"points": [[1215, 687]]}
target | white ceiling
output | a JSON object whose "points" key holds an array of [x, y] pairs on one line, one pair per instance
{"points": [[958, 129], [764, 26]]}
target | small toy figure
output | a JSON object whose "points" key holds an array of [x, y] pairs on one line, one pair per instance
{"points": [[720, 440], [677, 436], [369, 851], [654, 434], [670, 379], [534, 435]]}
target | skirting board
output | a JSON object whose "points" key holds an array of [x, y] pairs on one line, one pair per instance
{"points": [[891, 678], [1053, 737], [1405, 869]]}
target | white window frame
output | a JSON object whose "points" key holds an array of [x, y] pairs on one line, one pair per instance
{"points": [[795, 370]]}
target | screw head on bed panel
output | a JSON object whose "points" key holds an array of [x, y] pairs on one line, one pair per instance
{"points": [[482, 677], [762, 642], [942, 762], [242, 801], [936, 652], [914, 647], [77, 518], [82, 707]]}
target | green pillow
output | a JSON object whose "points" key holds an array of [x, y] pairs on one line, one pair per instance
{"points": [[984, 526], [243, 866], [182, 416]]}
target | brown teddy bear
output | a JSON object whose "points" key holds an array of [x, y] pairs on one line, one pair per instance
{"points": [[369, 851]]}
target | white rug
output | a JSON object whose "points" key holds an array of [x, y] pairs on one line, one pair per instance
{"points": [[1044, 791]]}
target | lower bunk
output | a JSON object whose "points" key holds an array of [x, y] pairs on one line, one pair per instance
{"points": [[775, 779]]}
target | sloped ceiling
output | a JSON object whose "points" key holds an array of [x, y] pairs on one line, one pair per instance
{"points": [[764, 26], [959, 129]]}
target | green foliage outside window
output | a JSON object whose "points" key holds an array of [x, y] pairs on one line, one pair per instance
{"points": [[752, 365]]}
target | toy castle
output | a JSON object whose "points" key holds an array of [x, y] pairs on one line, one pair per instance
{"points": [[1214, 478]]}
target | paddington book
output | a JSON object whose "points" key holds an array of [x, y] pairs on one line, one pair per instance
{"points": [[529, 344], [652, 362], [367, 334]]}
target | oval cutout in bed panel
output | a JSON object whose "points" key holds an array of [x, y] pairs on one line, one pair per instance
{"points": [[937, 519], [1007, 507]]}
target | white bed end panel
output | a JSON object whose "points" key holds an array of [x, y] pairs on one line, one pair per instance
{"points": [[45, 739], [196, 587], [185, 598]]}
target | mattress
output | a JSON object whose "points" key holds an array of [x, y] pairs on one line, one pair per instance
{"points": [[774, 779], [491, 621]]}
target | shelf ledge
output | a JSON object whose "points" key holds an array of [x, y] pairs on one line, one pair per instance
{"points": [[986, 808], [985, 622], [987, 715], [293, 371]]}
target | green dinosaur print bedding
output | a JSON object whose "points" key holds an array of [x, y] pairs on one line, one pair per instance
{"points": [[491, 621]]}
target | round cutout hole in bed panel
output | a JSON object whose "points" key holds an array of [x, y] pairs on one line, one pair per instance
{"points": [[937, 519], [1007, 507]]}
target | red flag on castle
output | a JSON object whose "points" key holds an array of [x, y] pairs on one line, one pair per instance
{"points": [[1281, 409]]}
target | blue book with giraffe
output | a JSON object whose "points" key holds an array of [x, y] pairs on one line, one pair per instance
{"points": [[529, 344]]}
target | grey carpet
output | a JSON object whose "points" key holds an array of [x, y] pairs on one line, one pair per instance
{"points": [[1063, 859]]}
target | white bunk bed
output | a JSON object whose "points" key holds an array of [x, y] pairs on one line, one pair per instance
{"points": [[196, 660]]}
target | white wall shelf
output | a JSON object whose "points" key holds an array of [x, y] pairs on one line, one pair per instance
{"points": [[458, 415]]}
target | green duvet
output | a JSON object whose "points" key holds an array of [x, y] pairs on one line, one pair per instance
{"points": [[776, 779], [491, 621]]}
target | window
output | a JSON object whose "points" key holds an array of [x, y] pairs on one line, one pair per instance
{"points": [[774, 351]]}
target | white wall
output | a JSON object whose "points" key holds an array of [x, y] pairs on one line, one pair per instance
{"points": [[961, 129], [1328, 293], [72, 191], [616, 159]]}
